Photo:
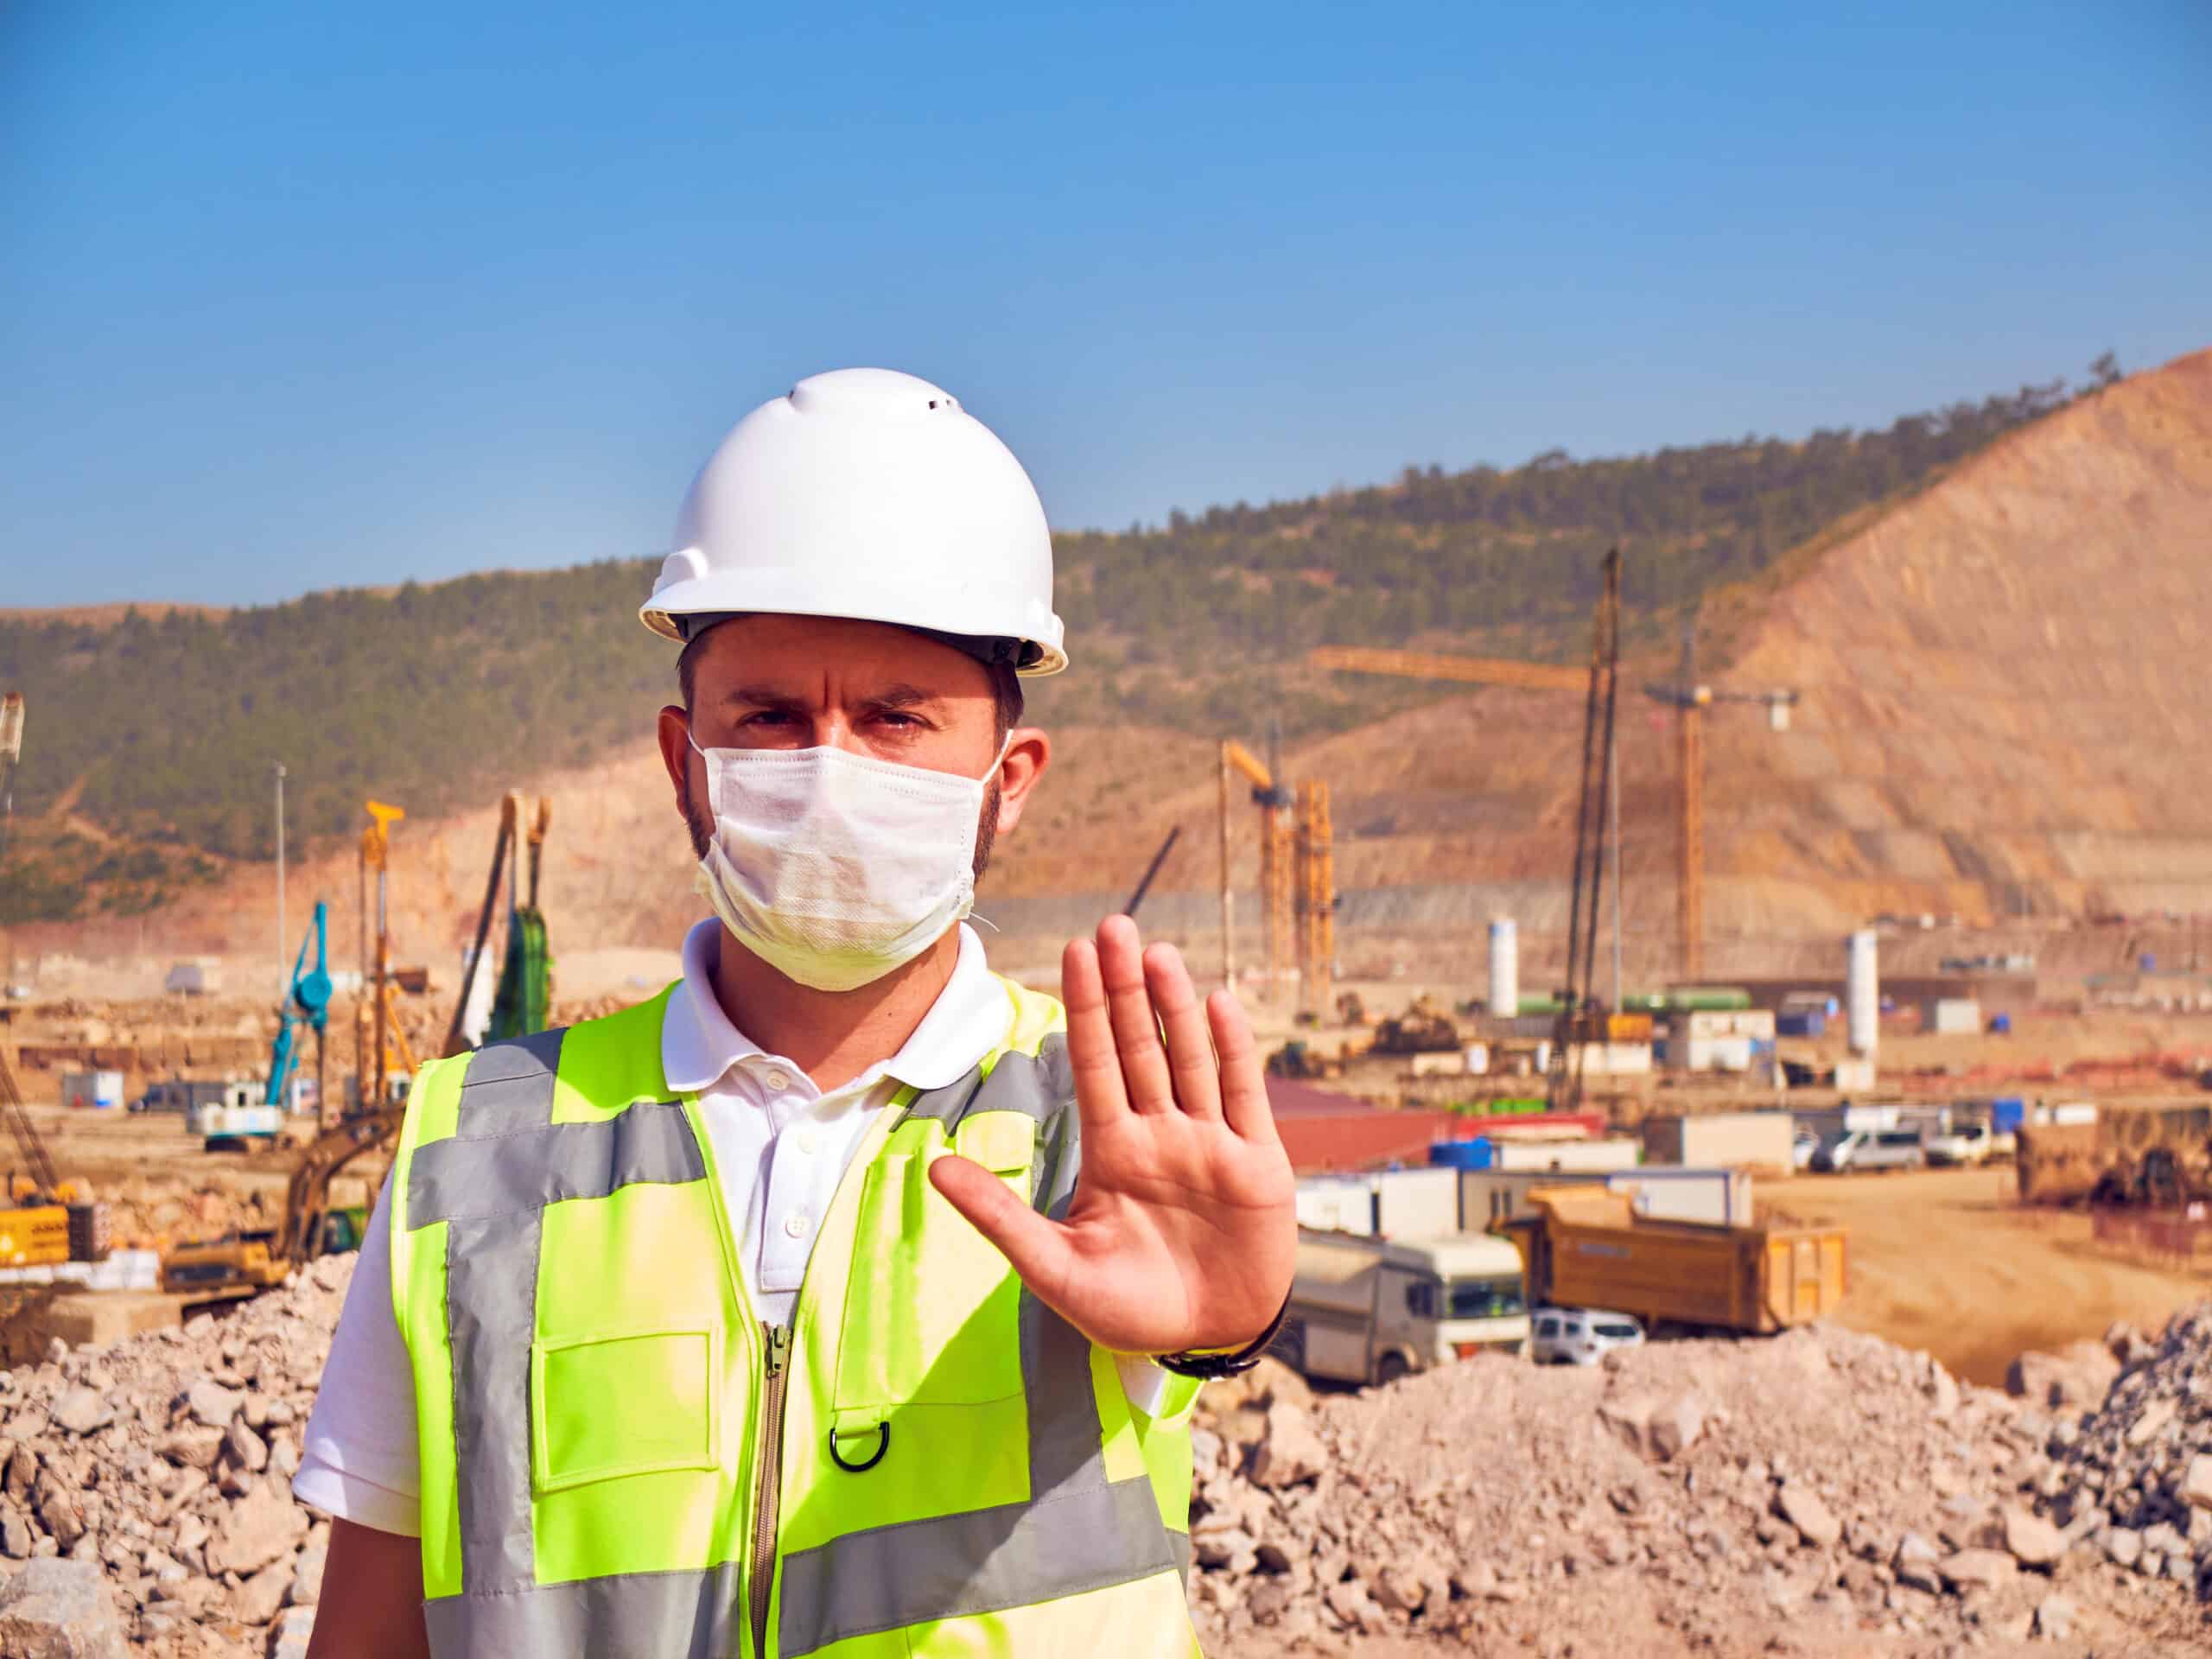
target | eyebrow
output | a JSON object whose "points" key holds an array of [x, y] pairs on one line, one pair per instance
{"points": [[889, 696]]}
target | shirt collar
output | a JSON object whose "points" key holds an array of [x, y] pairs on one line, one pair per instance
{"points": [[699, 1042]]}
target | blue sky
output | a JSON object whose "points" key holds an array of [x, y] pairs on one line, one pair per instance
{"points": [[294, 297]]}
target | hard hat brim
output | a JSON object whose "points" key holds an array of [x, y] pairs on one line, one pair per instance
{"points": [[948, 613]]}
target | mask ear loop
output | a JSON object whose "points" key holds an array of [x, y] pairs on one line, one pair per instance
{"points": [[1005, 749]]}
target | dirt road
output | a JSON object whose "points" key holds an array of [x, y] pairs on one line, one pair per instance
{"points": [[1946, 1262]]}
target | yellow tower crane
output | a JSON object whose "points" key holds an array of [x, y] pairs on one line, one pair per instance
{"points": [[1276, 856], [1687, 697], [380, 1058]]}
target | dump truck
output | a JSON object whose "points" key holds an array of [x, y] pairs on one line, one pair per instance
{"points": [[1370, 1310], [1586, 1247], [2102, 1161]]}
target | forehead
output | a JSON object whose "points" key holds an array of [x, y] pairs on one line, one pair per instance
{"points": [[828, 656]]}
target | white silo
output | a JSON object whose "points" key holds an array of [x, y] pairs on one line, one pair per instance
{"points": [[1863, 992], [1504, 968]]}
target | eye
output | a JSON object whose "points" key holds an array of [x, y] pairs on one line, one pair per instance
{"points": [[769, 717]]}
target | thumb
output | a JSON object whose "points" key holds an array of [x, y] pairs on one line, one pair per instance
{"points": [[1036, 1248]]}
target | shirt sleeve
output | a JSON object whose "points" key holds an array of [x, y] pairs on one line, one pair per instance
{"points": [[361, 1462], [1144, 1384]]}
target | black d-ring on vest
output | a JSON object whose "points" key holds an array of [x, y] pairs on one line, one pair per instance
{"points": [[882, 1446]]}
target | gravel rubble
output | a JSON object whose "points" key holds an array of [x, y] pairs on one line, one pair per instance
{"points": [[1820, 1493]]}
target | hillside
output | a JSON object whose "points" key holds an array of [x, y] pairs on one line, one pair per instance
{"points": [[159, 726]]}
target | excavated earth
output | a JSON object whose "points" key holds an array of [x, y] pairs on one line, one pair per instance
{"points": [[1820, 1493]]}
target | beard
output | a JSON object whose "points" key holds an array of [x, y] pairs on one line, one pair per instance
{"points": [[701, 827]]}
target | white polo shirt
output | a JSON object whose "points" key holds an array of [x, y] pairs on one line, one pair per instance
{"points": [[782, 1146]]}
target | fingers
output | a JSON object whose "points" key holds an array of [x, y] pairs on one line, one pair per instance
{"points": [[1036, 1248], [1243, 1081], [1099, 1093], [1136, 1029], [1189, 1051]]}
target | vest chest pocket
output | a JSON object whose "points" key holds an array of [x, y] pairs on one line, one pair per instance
{"points": [[932, 1310], [622, 1402]]}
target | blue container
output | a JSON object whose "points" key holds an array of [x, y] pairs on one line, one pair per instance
{"points": [[1477, 1154], [2149, 962], [2008, 1114], [2001, 1024], [1801, 1022]]}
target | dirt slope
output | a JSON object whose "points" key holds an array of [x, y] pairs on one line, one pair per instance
{"points": [[2000, 718]]}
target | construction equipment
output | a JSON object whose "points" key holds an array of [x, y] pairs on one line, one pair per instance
{"points": [[1423, 1029], [307, 1003], [382, 1053], [245, 1264], [1151, 871], [1298, 874], [2134, 1153], [45, 1218], [1585, 1246], [1316, 888], [521, 1002], [11, 756], [1689, 698], [1276, 839], [1581, 1017]]}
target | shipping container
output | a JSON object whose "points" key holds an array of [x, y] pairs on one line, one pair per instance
{"points": [[1511, 1155], [100, 1090], [1952, 1016], [1586, 1247], [1721, 1141], [1615, 1059], [1801, 1022], [2007, 1112], [1629, 1027], [1855, 1075], [1389, 1203], [1715, 1197]]}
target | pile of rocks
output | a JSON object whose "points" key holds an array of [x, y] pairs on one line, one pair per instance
{"points": [[1715, 1496], [149, 1483], [2134, 1476]]}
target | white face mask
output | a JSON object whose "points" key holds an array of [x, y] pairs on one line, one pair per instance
{"points": [[835, 868]]}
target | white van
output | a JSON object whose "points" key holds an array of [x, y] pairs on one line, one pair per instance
{"points": [[1370, 1310], [1858, 1149], [1581, 1336]]}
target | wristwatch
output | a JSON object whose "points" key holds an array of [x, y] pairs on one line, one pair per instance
{"points": [[1210, 1364]]}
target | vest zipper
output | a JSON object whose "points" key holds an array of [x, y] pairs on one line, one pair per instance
{"points": [[760, 1568]]}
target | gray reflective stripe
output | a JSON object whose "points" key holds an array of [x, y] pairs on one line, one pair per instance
{"points": [[684, 1615], [525, 1169], [1075, 1532], [1040, 1084], [492, 1101], [978, 1562], [491, 1307], [491, 1182], [1180, 1543]]}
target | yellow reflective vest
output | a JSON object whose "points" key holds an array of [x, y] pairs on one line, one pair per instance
{"points": [[618, 1458]]}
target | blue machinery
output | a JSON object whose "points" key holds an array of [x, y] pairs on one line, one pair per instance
{"points": [[307, 1003]]}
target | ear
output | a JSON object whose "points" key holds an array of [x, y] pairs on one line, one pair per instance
{"points": [[1028, 753], [674, 732]]}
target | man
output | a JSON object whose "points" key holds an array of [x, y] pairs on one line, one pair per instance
{"points": [[844, 1299]]}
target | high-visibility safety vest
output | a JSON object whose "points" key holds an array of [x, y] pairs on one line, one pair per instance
{"points": [[618, 1459]]}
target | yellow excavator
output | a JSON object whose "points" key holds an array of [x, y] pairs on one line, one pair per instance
{"points": [[46, 1219], [226, 1270]]}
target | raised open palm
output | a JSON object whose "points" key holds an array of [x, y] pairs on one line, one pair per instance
{"points": [[1182, 1233]]}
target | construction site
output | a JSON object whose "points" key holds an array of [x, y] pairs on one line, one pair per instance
{"points": [[1820, 997]]}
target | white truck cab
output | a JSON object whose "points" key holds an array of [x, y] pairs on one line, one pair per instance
{"points": [[1371, 1310]]}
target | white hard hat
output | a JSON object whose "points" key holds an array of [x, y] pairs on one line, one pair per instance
{"points": [[869, 494]]}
